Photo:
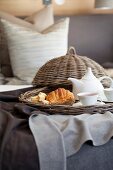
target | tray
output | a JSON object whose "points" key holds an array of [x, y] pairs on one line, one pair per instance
{"points": [[63, 109]]}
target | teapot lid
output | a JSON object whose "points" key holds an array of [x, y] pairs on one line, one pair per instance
{"points": [[89, 74]]}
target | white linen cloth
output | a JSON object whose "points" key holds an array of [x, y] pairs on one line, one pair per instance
{"points": [[4, 88], [59, 136]]}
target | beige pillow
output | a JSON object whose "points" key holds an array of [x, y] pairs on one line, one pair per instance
{"points": [[39, 21], [43, 19], [29, 49]]}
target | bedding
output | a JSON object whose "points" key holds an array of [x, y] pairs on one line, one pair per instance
{"points": [[42, 19], [4, 88], [18, 149], [66, 135], [15, 81], [1, 78]]}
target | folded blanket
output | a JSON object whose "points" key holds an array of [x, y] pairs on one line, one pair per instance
{"points": [[58, 136]]}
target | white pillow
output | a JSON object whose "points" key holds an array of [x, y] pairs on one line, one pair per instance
{"points": [[29, 49]]}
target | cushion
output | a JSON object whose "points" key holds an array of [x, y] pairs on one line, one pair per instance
{"points": [[35, 21], [29, 49], [43, 19]]}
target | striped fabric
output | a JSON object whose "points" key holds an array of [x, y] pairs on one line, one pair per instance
{"points": [[29, 49]]}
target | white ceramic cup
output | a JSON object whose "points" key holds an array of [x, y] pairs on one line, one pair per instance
{"points": [[88, 98], [109, 94]]}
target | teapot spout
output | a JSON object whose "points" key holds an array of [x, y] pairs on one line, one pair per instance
{"points": [[77, 86], [76, 83]]}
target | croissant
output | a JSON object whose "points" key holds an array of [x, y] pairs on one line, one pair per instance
{"points": [[61, 96]]}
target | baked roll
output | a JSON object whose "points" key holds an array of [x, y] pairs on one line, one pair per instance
{"points": [[40, 98], [61, 96]]}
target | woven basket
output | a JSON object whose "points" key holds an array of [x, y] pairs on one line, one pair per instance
{"points": [[63, 109], [57, 70]]}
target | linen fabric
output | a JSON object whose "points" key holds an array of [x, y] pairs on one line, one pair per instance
{"points": [[66, 134], [36, 21], [46, 133], [29, 49], [42, 19], [4, 88]]}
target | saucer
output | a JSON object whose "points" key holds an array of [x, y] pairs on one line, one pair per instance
{"points": [[80, 104]]}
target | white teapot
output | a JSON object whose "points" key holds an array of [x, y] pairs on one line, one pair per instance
{"points": [[89, 83]]}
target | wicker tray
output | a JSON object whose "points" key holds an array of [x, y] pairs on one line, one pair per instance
{"points": [[63, 109]]}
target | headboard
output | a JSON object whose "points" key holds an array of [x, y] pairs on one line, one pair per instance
{"points": [[92, 35]]}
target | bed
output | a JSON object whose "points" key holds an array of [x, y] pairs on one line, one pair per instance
{"points": [[92, 37], [18, 149]]}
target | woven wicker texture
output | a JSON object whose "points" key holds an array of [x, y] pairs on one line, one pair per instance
{"points": [[63, 109], [56, 71]]}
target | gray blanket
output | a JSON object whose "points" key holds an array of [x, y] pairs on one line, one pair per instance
{"points": [[58, 136]]}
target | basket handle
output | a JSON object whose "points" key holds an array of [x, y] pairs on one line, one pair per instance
{"points": [[71, 51]]}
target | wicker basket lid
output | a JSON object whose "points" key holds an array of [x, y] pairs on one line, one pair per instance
{"points": [[58, 70]]}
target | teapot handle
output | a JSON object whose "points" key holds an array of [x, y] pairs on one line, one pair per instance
{"points": [[106, 77]]}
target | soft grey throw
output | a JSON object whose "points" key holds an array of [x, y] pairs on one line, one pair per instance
{"points": [[59, 136]]}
